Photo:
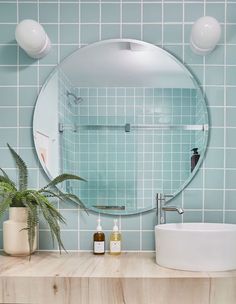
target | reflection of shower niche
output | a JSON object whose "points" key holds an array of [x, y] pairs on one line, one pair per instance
{"points": [[127, 115]]}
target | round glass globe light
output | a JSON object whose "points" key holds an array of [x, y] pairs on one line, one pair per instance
{"points": [[205, 35]]}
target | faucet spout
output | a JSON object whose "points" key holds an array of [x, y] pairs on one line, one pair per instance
{"points": [[173, 208]]}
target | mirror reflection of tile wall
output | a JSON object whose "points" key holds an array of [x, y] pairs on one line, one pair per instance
{"points": [[128, 168]]}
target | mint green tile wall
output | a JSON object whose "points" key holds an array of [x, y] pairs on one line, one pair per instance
{"points": [[116, 164], [72, 24]]}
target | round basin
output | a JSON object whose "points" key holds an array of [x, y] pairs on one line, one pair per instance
{"points": [[196, 246]]}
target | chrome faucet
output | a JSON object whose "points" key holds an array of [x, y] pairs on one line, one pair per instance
{"points": [[162, 207]]}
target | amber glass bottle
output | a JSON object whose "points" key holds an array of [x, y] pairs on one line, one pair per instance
{"points": [[99, 240]]}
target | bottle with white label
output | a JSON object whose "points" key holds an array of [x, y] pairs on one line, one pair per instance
{"points": [[115, 240], [99, 240]]}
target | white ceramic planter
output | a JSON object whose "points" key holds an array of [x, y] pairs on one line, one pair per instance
{"points": [[15, 237]]}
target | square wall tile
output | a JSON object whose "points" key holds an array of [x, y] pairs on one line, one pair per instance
{"points": [[214, 158], [8, 12], [131, 12], [149, 220], [28, 11], [69, 33], [213, 199], [130, 241], [8, 96], [89, 33], [9, 117], [230, 217], [231, 75], [216, 137], [45, 241], [152, 33], [131, 31], [48, 12], [230, 201], [110, 12], [172, 33], [71, 218], [230, 177], [69, 12], [215, 96], [230, 16], [89, 12], [8, 136], [193, 11], [70, 240], [193, 199], [214, 75], [192, 216], [110, 31], [8, 76], [230, 138], [130, 222], [152, 12], [213, 216], [216, 10], [214, 179], [230, 96], [173, 15], [148, 241]]}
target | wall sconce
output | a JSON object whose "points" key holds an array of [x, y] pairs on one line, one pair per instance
{"points": [[205, 35], [32, 38]]}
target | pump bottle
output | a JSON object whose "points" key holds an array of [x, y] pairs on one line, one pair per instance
{"points": [[99, 240], [115, 240], [194, 159]]}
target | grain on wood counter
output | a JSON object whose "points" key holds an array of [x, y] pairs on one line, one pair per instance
{"points": [[130, 278]]}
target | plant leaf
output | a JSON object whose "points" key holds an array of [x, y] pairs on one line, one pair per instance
{"points": [[5, 203], [32, 222], [23, 172], [51, 215], [61, 178], [4, 186], [7, 178], [65, 196]]}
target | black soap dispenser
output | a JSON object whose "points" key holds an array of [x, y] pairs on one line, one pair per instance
{"points": [[194, 158]]}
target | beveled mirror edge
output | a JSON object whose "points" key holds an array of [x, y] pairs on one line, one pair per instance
{"points": [[206, 114]]}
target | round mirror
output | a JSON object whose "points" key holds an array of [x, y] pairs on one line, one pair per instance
{"points": [[126, 116]]}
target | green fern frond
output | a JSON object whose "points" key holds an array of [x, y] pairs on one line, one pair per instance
{"points": [[7, 181], [32, 222], [23, 171], [7, 178], [52, 216], [66, 196], [61, 178], [5, 204], [6, 187]]}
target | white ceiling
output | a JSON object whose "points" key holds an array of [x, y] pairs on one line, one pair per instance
{"points": [[126, 63]]}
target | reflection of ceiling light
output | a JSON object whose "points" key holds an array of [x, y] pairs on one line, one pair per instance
{"points": [[32, 38], [205, 35]]}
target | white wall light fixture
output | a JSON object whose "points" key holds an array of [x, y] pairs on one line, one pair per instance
{"points": [[205, 35], [32, 38]]}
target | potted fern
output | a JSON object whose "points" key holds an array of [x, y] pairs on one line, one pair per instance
{"points": [[25, 206]]}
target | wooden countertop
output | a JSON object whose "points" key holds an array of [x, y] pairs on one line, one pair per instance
{"points": [[131, 278], [87, 265]]}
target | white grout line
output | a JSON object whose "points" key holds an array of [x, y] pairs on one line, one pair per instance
{"points": [[225, 129]]}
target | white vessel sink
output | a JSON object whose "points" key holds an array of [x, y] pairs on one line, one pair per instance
{"points": [[196, 246]]}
